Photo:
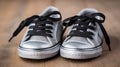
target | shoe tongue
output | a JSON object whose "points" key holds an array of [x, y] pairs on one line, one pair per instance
{"points": [[51, 14], [82, 39], [37, 38], [55, 16], [88, 14]]}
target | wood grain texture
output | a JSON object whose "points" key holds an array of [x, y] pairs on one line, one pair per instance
{"points": [[14, 11]]}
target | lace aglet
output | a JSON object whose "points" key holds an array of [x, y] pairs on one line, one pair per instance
{"points": [[110, 49], [10, 39]]}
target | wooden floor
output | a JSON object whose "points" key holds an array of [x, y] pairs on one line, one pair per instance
{"points": [[14, 11]]}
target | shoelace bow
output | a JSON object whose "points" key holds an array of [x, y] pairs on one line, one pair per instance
{"points": [[83, 25], [40, 27]]}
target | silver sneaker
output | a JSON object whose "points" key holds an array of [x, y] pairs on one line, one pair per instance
{"points": [[85, 36], [42, 38]]}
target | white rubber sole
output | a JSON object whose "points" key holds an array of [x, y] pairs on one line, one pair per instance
{"points": [[38, 54], [80, 54]]}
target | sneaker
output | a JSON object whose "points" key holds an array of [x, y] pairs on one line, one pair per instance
{"points": [[85, 36], [42, 38]]}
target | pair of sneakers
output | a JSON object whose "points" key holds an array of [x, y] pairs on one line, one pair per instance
{"points": [[44, 36]]}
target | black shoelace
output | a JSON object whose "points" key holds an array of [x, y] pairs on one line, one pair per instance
{"points": [[82, 24], [40, 28]]}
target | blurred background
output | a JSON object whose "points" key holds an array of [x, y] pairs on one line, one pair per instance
{"points": [[12, 12]]}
